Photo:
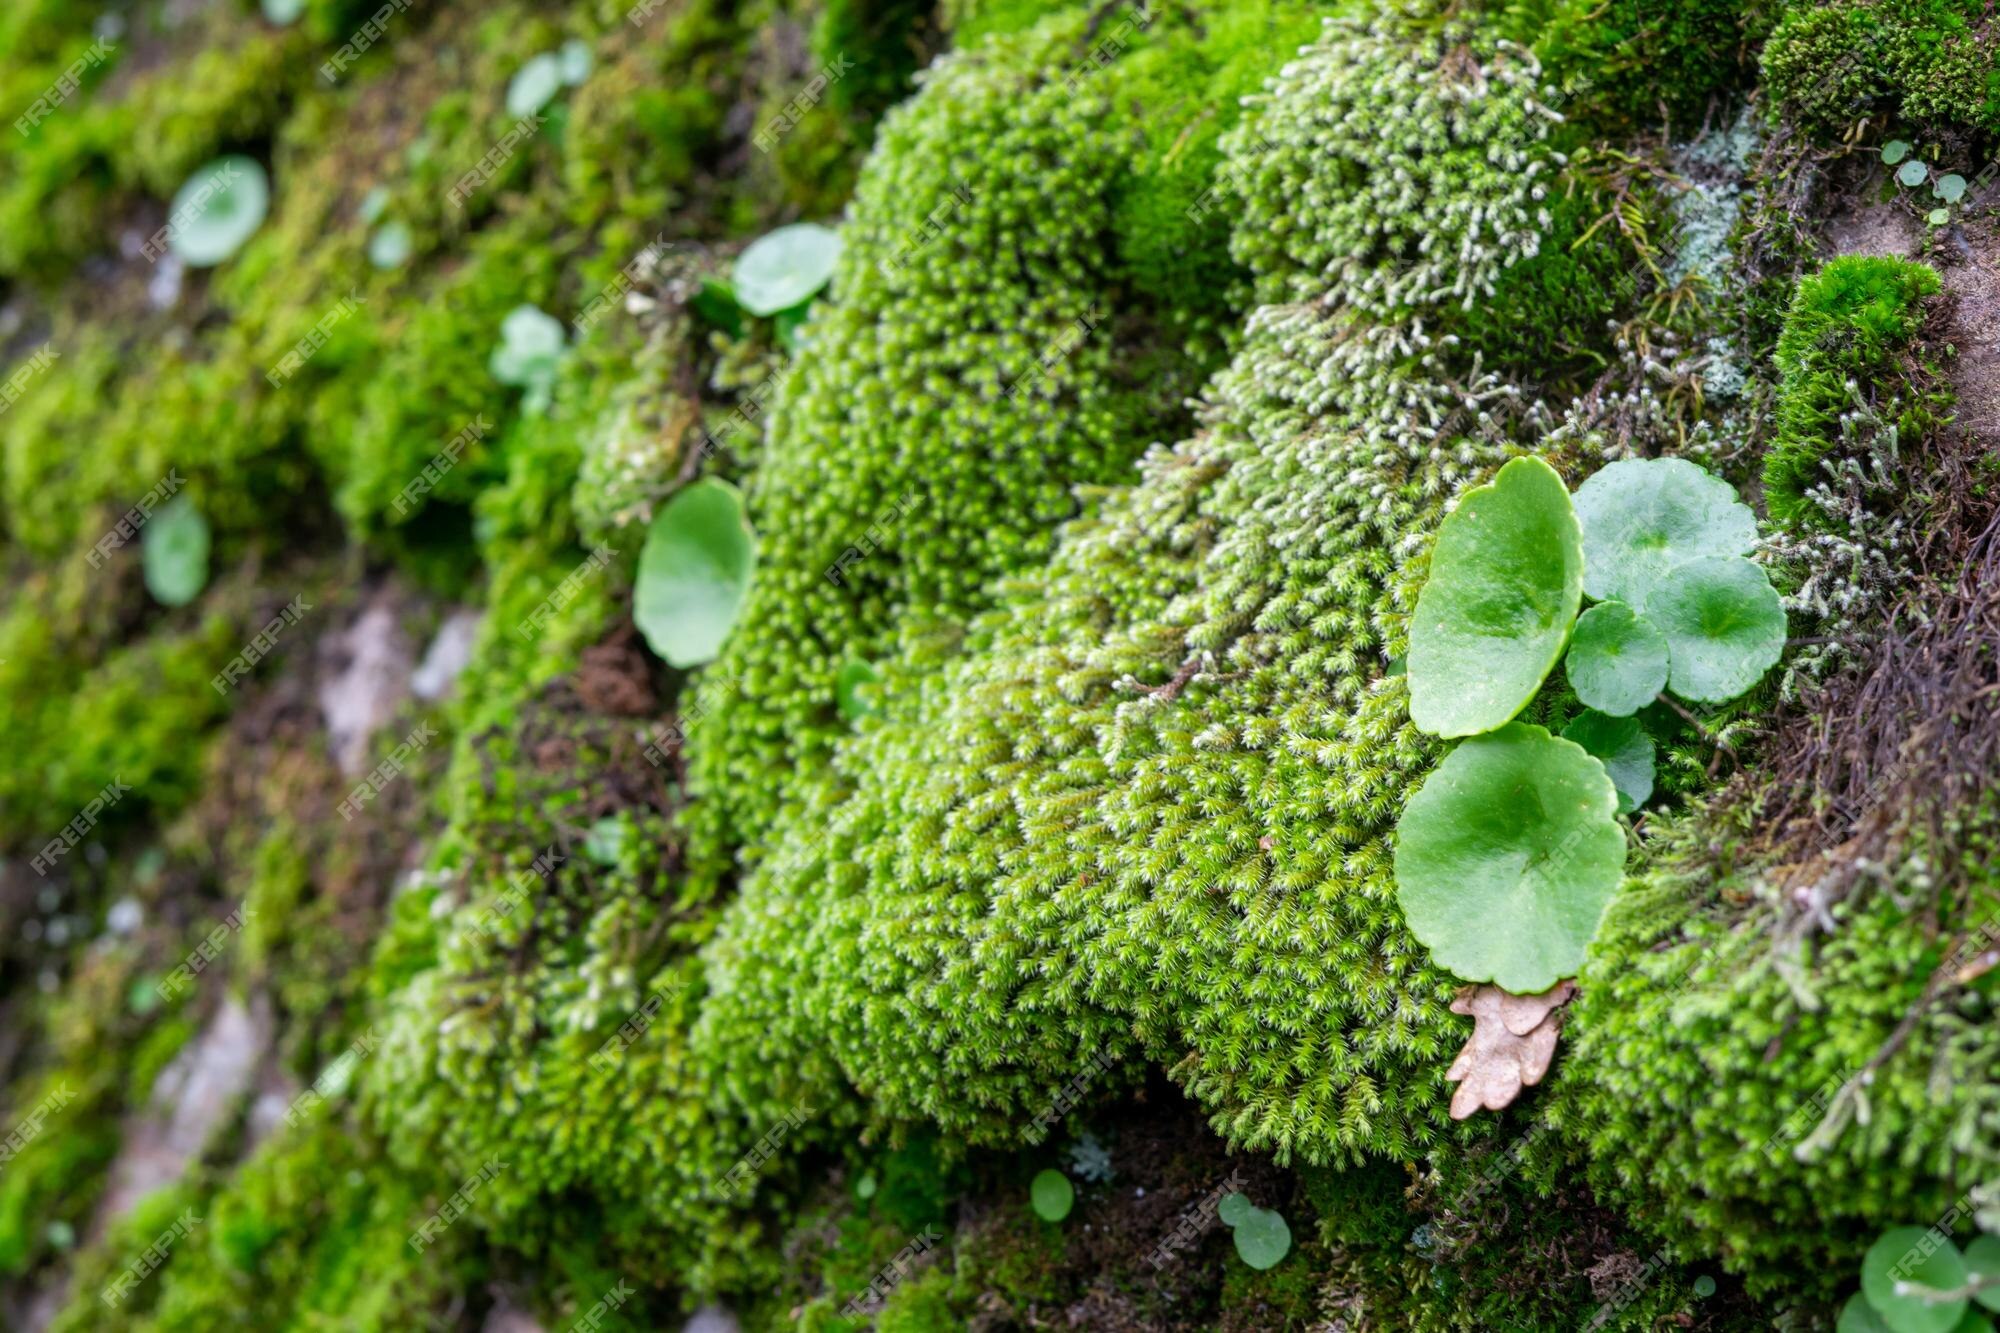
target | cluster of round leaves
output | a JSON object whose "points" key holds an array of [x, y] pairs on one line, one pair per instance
{"points": [[1508, 855], [1914, 1280], [1912, 172], [1262, 1235]]}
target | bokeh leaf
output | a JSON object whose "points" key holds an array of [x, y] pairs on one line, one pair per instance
{"points": [[534, 84], [694, 572], [1051, 1195], [851, 689], [1898, 1255], [217, 210], [390, 246], [176, 552], [1982, 1260], [1859, 1317], [780, 270]]}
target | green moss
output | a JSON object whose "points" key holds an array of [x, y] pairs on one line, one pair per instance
{"points": [[138, 721], [1794, 1168], [311, 1230], [1846, 345], [55, 1177], [1646, 61], [1038, 862], [896, 435], [1927, 61]]}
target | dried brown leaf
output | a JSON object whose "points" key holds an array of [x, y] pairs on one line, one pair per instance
{"points": [[1513, 1040]]}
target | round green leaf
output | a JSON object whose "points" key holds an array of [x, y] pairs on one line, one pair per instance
{"points": [[1894, 151], [176, 552], [218, 209], [534, 84], [788, 266], [1623, 747], [1950, 188], [1913, 173], [1643, 517], [1704, 1287], [1262, 1238], [1858, 1316], [850, 689], [1617, 659], [1507, 857], [389, 247], [1506, 580], [694, 572], [574, 60], [530, 350], [1235, 1206], [1725, 627], [1052, 1195], [1937, 217], [605, 840], [865, 1186], [1982, 1260], [1900, 1256]]}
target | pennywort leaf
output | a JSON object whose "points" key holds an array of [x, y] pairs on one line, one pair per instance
{"points": [[1724, 624], [1625, 750], [1507, 857], [1506, 581], [1051, 1195], [1617, 659], [1982, 1260], [1262, 1237], [1643, 518], [176, 552], [217, 210], [1903, 1255], [785, 268], [694, 572]]}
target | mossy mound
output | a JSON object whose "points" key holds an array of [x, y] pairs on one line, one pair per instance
{"points": [[1160, 344]]}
